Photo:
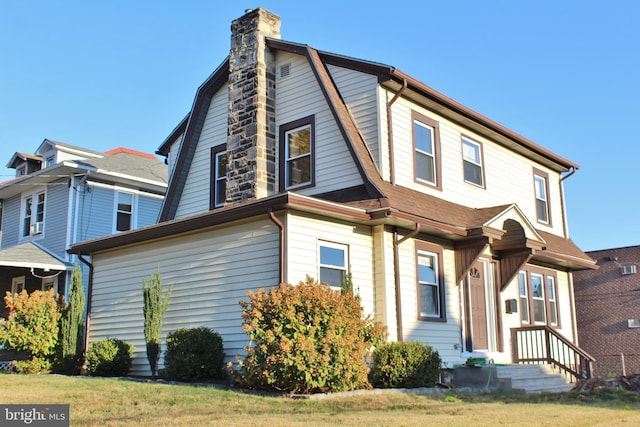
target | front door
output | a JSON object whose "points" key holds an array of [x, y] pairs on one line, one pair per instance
{"points": [[478, 294]]}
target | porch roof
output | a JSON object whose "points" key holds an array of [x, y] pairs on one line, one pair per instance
{"points": [[31, 255]]}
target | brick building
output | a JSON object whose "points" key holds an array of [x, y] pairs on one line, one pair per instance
{"points": [[608, 310]]}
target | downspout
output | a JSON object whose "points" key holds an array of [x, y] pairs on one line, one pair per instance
{"points": [[396, 276], [282, 251], [89, 293], [565, 226], [392, 172]]}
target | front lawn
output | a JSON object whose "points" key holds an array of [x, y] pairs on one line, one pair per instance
{"points": [[114, 402]]}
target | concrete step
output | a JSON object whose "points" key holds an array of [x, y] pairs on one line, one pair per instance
{"points": [[532, 378]]}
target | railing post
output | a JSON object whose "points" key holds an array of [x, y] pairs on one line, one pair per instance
{"points": [[547, 343], [514, 346]]}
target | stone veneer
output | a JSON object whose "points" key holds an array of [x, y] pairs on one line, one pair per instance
{"points": [[251, 134]]}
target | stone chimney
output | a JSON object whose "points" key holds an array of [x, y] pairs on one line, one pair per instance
{"points": [[251, 133]]}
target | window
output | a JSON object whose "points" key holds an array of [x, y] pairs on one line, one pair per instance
{"points": [[297, 154], [17, 284], [541, 185], [538, 297], [429, 282], [21, 171], [426, 145], [218, 192], [472, 162], [50, 283], [524, 298], [551, 295], [124, 211], [33, 214], [333, 263], [50, 161]]}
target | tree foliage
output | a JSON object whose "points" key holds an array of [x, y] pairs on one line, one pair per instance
{"points": [[72, 325], [154, 309], [307, 338], [33, 325]]}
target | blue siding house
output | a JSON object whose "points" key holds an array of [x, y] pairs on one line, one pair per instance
{"points": [[65, 194]]}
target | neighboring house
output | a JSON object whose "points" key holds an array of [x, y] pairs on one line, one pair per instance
{"points": [[65, 194], [608, 310], [294, 161]]}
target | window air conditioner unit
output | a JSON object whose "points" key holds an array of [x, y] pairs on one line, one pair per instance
{"points": [[633, 323], [628, 269], [37, 228]]}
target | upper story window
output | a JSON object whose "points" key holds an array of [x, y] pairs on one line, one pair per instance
{"points": [[22, 170], [426, 146], [429, 282], [541, 188], [333, 263], [50, 161], [218, 187], [33, 214], [297, 152], [472, 162], [124, 211], [538, 297]]}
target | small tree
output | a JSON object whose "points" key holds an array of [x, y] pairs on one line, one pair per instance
{"points": [[154, 309], [33, 326], [72, 325]]}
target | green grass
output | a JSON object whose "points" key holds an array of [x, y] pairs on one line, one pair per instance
{"points": [[112, 402]]}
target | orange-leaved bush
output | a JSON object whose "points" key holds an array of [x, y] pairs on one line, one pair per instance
{"points": [[307, 338], [32, 326]]}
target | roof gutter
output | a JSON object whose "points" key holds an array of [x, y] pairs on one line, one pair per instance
{"points": [[89, 293], [565, 225], [282, 250], [392, 174]]}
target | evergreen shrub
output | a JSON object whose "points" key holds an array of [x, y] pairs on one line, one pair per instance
{"points": [[405, 365], [109, 357], [194, 354]]}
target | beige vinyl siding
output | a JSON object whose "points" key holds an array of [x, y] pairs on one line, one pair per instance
{"points": [[298, 96], [303, 234], [359, 93], [195, 196], [508, 175], [442, 336], [211, 272], [384, 280]]}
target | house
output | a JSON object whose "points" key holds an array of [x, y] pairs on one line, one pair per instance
{"points": [[64, 194], [608, 310], [294, 161]]}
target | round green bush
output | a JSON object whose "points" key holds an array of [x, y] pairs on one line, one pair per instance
{"points": [[109, 357], [194, 354], [405, 365]]}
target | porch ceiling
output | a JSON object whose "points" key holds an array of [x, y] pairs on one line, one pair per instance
{"points": [[30, 255]]}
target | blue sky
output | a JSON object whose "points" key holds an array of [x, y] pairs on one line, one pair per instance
{"points": [[565, 74]]}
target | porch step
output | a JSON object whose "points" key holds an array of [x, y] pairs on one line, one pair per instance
{"points": [[531, 379]]}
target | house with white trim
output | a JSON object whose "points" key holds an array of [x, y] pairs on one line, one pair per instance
{"points": [[294, 162], [65, 194]]}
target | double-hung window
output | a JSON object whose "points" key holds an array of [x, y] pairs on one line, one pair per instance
{"points": [[538, 297], [333, 263], [297, 154], [472, 162], [218, 190], [426, 146], [541, 188], [124, 211], [430, 290], [33, 214]]}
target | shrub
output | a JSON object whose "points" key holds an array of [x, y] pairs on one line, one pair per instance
{"points": [[32, 366], [405, 364], [307, 338], [194, 354], [72, 327], [109, 357], [33, 326]]}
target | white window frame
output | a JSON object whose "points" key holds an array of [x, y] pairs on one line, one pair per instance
{"points": [[542, 198], [344, 268], [476, 163], [32, 202], [289, 159], [540, 300], [423, 284], [219, 199], [431, 156], [523, 292], [553, 300], [116, 209], [18, 284], [50, 282]]}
